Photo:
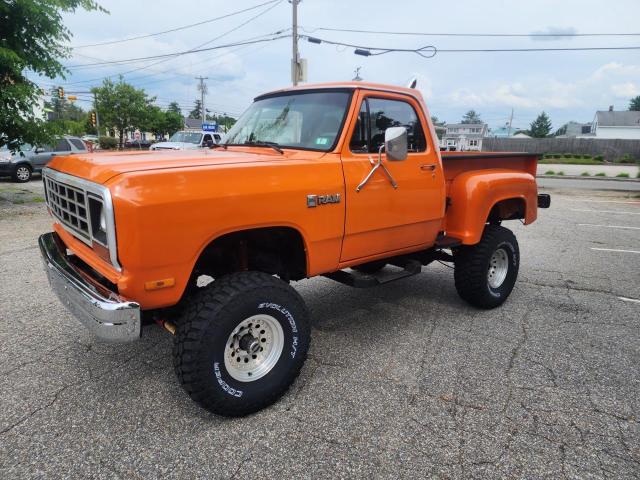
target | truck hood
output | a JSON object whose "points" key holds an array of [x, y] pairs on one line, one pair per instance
{"points": [[101, 167], [174, 146]]}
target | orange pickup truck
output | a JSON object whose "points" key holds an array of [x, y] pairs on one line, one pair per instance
{"points": [[343, 180]]}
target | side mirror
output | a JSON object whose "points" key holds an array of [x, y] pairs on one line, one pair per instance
{"points": [[210, 143], [395, 143]]}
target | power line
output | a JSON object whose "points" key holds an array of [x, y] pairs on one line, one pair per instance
{"points": [[433, 34], [194, 49], [184, 27], [176, 54], [431, 50]]}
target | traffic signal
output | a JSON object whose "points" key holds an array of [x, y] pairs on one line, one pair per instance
{"points": [[60, 92], [93, 119]]}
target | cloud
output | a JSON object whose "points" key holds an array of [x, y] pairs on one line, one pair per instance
{"points": [[625, 90], [553, 33]]}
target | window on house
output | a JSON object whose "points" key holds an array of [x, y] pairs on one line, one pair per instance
{"points": [[473, 143]]}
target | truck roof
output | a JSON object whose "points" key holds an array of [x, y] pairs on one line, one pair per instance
{"points": [[347, 85]]}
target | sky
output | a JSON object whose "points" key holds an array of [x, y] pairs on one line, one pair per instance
{"points": [[567, 85]]}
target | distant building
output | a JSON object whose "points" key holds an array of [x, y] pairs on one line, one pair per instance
{"points": [[193, 124], [464, 136], [619, 125], [574, 129]]}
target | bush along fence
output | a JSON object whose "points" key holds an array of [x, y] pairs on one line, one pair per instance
{"points": [[610, 149]]}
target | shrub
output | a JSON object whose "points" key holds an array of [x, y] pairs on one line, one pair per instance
{"points": [[599, 158], [638, 174], [586, 157], [601, 174], [622, 175], [108, 143], [585, 174], [560, 173], [626, 158], [557, 155], [549, 172]]}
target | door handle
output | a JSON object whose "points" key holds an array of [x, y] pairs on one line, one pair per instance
{"points": [[428, 167]]}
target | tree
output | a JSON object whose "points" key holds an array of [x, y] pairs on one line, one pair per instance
{"points": [[32, 40], [122, 107], [197, 110], [175, 108], [634, 104], [541, 126], [471, 117], [160, 123]]}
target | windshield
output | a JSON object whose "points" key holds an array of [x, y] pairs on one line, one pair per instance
{"points": [[186, 137], [297, 120]]}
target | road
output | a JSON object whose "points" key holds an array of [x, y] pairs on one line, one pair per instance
{"points": [[403, 381]]}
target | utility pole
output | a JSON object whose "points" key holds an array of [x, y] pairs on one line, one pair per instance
{"points": [[203, 89], [295, 60], [95, 107], [510, 123]]}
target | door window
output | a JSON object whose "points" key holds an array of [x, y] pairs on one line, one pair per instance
{"points": [[378, 114], [206, 138], [62, 146], [79, 144]]}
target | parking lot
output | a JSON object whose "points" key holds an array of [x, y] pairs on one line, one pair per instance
{"points": [[404, 380]]}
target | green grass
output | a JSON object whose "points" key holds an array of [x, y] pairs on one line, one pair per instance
{"points": [[623, 175], [549, 172], [571, 161], [601, 174], [585, 174]]}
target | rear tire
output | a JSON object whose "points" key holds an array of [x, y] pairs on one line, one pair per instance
{"points": [[485, 273], [241, 343], [22, 173]]}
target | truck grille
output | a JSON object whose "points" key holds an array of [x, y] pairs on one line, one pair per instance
{"points": [[69, 205]]}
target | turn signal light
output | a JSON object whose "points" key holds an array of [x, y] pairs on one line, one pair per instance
{"points": [[157, 284]]}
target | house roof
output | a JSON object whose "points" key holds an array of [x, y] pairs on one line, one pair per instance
{"points": [[618, 119], [193, 123]]}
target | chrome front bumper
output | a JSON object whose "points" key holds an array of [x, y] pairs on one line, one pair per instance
{"points": [[102, 311]]}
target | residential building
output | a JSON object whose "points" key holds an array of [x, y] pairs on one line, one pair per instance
{"points": [[619, 125], [464, 136], [574, 129]]}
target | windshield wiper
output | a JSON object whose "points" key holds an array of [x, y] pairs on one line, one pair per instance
{"points": [[260, 143]]}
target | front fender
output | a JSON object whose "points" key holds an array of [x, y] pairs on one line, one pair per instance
{"points": [[473, 194]]}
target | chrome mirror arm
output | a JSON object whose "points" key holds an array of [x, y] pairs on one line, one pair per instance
{"points": [[377, 165]]}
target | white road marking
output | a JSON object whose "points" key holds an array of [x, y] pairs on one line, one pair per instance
{"points": [[620, 212], [607, 226], [632, 300], [615, 250], [602, 201]]}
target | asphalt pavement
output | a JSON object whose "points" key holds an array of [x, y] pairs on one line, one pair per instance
{"points": [[403, 380]]}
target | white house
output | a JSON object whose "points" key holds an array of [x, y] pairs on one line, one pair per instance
{"points": [[619, 125], [464, 136]]}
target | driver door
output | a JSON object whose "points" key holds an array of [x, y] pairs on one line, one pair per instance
{"points": [[381, 219]]}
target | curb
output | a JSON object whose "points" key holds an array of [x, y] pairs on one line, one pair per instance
{"points": [[578, 177]]}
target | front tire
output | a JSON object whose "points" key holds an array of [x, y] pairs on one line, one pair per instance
{"points": [[486, 273], [241, 343], [22, 173]]}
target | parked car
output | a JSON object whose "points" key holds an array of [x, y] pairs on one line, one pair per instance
{"points": [[185, 140], [140, 144], [333, 180], [29, 160]]}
